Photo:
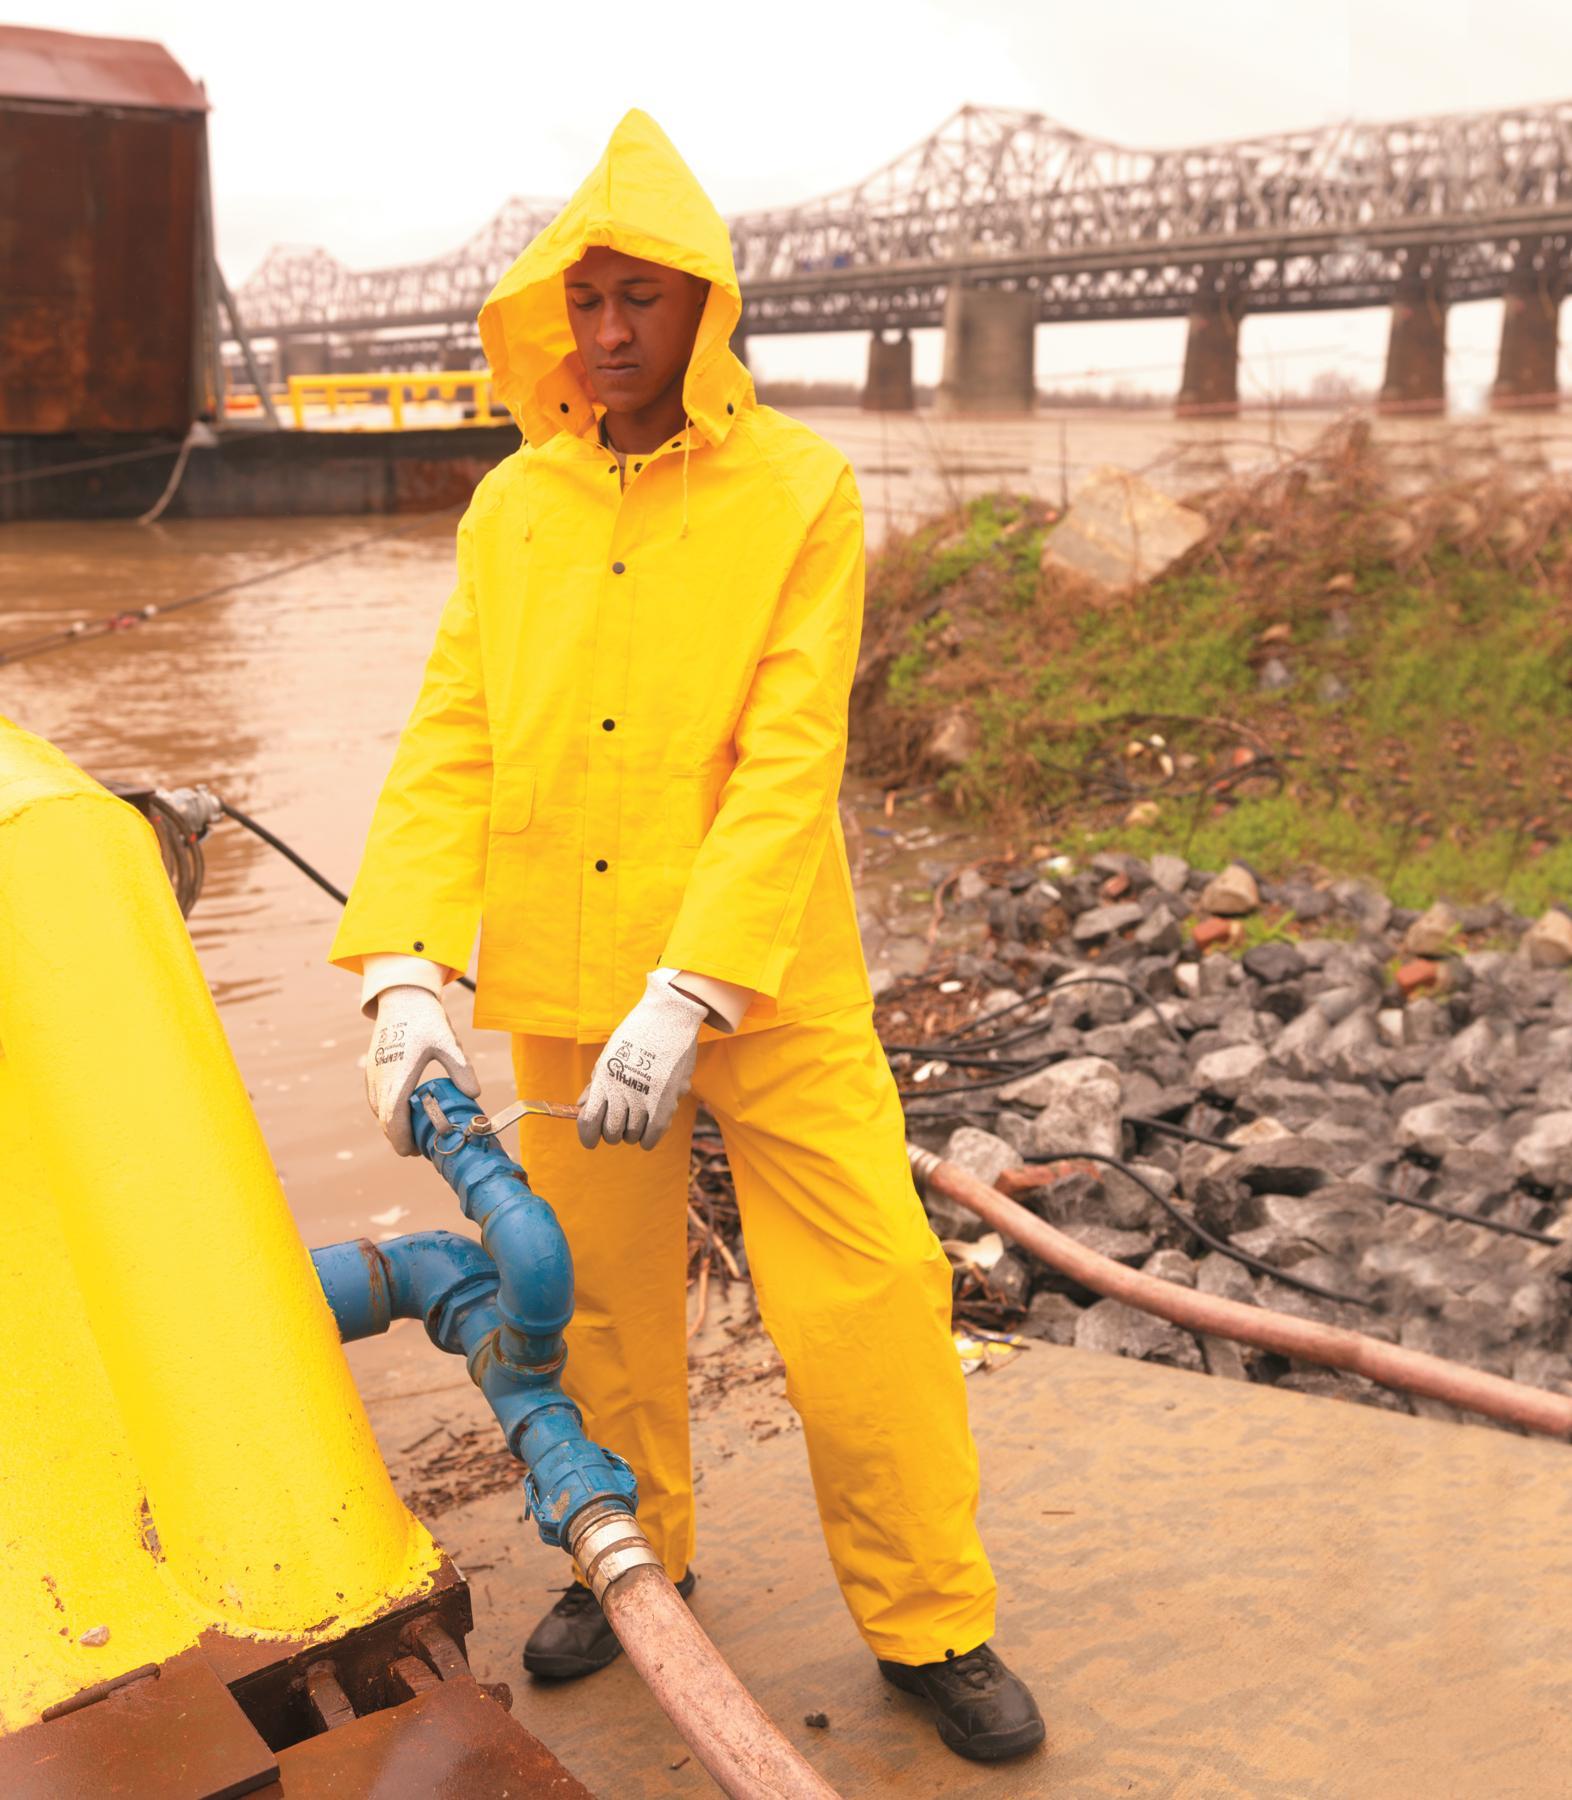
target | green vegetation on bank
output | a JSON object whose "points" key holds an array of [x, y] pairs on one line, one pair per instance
{"points": [[1295, 692]]}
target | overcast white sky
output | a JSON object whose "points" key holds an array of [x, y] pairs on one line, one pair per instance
{"points": [[391, 133]]}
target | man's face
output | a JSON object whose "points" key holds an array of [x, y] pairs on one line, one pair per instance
{"points": [[634, 324]]}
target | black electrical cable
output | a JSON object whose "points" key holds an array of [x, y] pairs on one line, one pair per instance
{"points": [[1389, 1194], [1193, 1226], [1043, 997], [294, 856], [181, 850]]}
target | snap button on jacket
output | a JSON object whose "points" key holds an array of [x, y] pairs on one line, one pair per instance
{"points": [[711, 608]]}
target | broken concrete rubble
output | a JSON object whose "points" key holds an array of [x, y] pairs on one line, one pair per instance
{"points": [[1121, 531]]}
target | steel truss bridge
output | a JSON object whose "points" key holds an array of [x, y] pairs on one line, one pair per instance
{"points": [[1297, 222]]}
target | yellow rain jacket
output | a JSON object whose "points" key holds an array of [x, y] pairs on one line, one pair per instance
{"points": [[629, 741]]}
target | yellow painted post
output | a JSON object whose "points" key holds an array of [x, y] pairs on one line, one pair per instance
{"points": [[187, 1359], [396, 404], [297, 402], [330, 393]]}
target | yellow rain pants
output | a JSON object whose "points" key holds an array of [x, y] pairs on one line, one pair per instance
{"points": [[853, 1288]]}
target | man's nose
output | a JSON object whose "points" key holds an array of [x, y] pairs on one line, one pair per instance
{"points": [[615, 328]]}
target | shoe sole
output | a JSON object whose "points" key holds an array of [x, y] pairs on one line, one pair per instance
{"points": [[572, 1668], [996, 1747], [569, 1668]]}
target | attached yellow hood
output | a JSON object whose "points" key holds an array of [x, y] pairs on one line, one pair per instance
{"points": [[641, 198]]}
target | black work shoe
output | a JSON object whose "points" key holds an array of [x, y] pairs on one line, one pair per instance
{"points": [[574, 1638], [984, 1711]]}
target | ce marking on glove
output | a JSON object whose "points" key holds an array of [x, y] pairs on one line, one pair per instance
{"points": [[619, 1071], [391, 1046]]}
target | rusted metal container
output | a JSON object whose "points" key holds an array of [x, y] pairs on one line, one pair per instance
{"points": [[106, 287]]}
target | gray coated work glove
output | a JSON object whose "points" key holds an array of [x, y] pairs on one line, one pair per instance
{"points": [[644, 1070], [411, 1030]]}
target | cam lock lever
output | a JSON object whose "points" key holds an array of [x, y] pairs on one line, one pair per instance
{"points": [[489, 1124]]}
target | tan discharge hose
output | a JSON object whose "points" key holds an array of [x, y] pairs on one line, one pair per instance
{"points": [[719, 1720], [1389, 1364]]}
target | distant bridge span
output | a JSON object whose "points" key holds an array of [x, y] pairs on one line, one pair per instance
{"points": [[1003, 219]]}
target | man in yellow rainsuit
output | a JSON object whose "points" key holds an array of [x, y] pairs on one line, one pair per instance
{"points": [[623, 765]]}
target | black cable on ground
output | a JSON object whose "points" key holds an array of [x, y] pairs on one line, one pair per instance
{"points": [[1170, 1129], [294, 856], [1196, 1229]]}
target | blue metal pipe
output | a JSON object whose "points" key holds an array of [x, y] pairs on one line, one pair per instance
{"points": [[519, 1230], [501, 1304]]}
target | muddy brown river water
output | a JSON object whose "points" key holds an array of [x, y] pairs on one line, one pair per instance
{"points": [[286, 699]]}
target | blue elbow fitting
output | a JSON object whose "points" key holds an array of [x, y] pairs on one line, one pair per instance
{"points": [[501, 1304], [437, 1277], [519, 1230]]}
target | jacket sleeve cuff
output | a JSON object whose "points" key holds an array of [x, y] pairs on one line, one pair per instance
{"points": [[381, 972], [725, 999]]}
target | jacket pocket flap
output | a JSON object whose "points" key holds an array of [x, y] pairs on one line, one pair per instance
{"points": [[512, 798]]}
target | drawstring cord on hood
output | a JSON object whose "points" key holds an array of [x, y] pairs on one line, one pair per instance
{"points": [[687, 444]]}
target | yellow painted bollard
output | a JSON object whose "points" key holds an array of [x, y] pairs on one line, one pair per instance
{"points": [[297, 402], [396, 404], [184, 1447]]}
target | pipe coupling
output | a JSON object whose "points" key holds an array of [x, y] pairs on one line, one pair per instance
{"points": [[923, 1163], [607, 1542]]}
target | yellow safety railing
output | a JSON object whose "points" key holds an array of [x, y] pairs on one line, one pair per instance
{"points": [[334, 391]]}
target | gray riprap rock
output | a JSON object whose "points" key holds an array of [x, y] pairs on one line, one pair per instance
{"points": [[1354, 1048], [1160, 933], [1273, 961], [1171, 1265], [951, 1222], [1554, 1091], [1128, 1205], [1279, 1245], [1285, 1165], [1009, 1281], [1232, 893], [1293, 1103], [1051, 1316], [1219, 1274], [981, 1154], [1340, 1002], [1478, 1055], [1119, 1330], [1340, 1223], [1543, 1369], [1227, 1072], [1335, 1384], [1424, 1022], [1224, 1206], [1440, 1126], [1014, 1129], [1105, 921], [1433, 933], [1547, 943], [1544, 1156], [1170, 873], [1128, 1247], [1367, 906], [1079, 1108]]}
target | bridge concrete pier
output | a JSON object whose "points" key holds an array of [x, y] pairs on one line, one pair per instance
{"points": [[889, 384], [1526, 373], [989, 351], [1416, 348], [1209, 388]]}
